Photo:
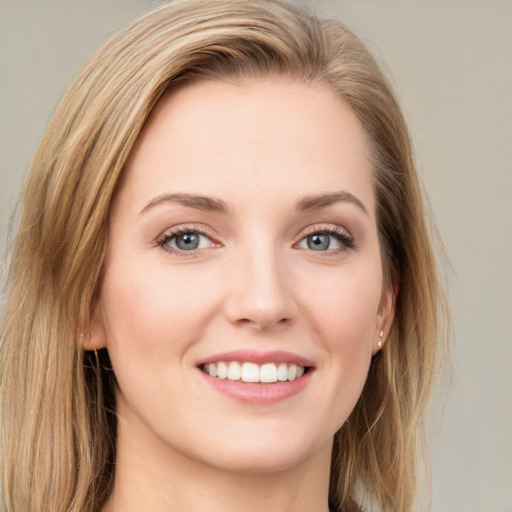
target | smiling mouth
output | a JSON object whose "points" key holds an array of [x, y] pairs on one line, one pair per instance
{"points": [[251, 372]]}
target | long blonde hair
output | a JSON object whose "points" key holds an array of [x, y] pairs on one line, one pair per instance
{"points": [[58, 410]]}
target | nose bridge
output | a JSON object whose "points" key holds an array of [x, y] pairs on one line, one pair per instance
{"points": [[260, 291]]}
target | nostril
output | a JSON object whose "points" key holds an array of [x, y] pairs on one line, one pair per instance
{"points": [[263, 322]]}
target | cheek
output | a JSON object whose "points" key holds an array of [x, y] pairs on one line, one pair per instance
{"points": [[346, 326], [343, 316], [152, 314], [346, 307]]}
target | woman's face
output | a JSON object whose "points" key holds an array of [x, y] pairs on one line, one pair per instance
{"points": [[243, 244]]}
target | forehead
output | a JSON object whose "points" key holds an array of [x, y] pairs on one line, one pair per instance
{"points": [[272, 137]]}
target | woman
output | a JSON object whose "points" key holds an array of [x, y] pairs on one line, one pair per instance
{"points": [[223, 291]]}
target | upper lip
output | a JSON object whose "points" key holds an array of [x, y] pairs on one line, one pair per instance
{"points": [[254, 356]]}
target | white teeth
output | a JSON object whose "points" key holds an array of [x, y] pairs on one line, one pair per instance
{"points": [[233, 371], [222, 370], [252, 372], [282, 372], [268, 373]]}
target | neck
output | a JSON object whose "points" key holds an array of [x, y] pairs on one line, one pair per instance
{"points": [[152, 476]]}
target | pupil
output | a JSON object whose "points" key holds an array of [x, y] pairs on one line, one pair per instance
{"points": [[188, 241], [318, 242]]}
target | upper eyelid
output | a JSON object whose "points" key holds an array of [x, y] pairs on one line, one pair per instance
{"points": [[343, 234], [318, 228], [185, 228], [162, 241], [214, 237]]}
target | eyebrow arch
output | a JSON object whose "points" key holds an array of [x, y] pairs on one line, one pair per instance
{"points": [[315, 202], [209, 204]]}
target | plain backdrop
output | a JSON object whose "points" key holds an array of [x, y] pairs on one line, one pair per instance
{"points": [[451, 64]]}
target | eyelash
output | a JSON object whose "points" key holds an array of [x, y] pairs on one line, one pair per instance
{"points": [[164, 240], [343, 237]]}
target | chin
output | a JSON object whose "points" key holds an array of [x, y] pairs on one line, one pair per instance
{"points": [[260, 463], [260, 454]]}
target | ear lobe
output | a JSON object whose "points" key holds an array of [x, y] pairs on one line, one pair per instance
{"points": [[386, 311], [94, 337]]}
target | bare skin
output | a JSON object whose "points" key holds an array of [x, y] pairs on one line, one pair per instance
{"points": [[245, 225]]}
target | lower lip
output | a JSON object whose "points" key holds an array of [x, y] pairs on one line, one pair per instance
{"points": [[258, 393]]}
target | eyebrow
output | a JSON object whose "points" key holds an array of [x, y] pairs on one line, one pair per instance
{"points": [[324, 200], [211, 204], [208, 204]]}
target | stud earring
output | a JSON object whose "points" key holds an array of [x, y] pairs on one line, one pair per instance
{"points": [[381, 334]]}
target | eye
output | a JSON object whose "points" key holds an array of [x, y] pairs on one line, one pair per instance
{"points": [[185, 240], [327, 240]]}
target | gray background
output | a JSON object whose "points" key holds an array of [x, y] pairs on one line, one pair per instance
{"points": [[451, 63]]}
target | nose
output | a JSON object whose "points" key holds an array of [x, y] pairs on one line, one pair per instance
{"points": [[261, 294]]}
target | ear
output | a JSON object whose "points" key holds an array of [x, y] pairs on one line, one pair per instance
{"points": [[386, 311], [94, 337]]}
